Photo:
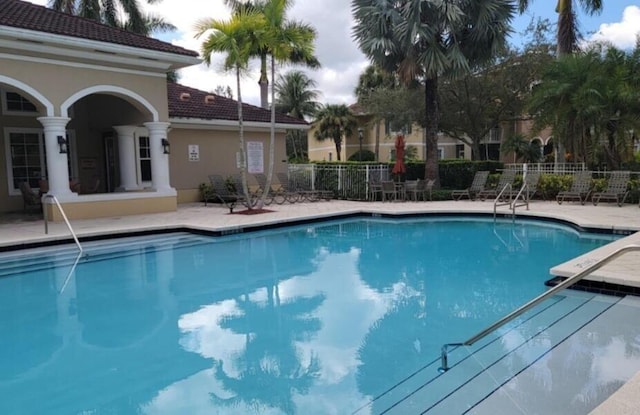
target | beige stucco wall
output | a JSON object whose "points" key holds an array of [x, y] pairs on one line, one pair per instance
{"points": [[217, 155], [111, 208], [58, 82]]}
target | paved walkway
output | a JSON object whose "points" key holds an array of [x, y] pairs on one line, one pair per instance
{"points": [[17, 231]]}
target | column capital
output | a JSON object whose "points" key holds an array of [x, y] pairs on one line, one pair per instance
{"points": [[157, 127], [58, 123], [125, 130]]}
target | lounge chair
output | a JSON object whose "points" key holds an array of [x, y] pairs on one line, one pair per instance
{"points": [[222, 193], [478, 185], [273, 195], [374, 190], [531, 180], [506, 179], [616, 188], [30, 199], [290, 195], [579, 190]]}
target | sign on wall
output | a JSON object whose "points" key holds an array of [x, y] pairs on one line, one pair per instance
{"points": [[255, 157], [194, 152]]}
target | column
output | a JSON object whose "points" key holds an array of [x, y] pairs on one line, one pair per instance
{"points": [[159, 160], [57, 164], [126, 157]]}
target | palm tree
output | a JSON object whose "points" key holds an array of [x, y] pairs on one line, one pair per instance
{"points": [[107, 12], [234, 37], [372, 79], [296, 97], [334, 122], [274, 11], [420, 40], [567, 34]]}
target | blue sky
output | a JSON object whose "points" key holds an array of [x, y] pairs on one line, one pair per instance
{"points": [[342, 61]]}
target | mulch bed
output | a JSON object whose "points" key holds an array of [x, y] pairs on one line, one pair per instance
{"points": [[251, 212]]}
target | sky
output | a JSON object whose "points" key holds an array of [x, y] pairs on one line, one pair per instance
{"points": [[342, 62]]}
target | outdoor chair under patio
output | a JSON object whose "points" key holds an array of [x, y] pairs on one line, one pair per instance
{"points": [[616, 190], [478, 185], [30, 199], [579, 190], [506, 179]]}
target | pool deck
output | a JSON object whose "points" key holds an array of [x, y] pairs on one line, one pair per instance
{"points": [[17, 231]]}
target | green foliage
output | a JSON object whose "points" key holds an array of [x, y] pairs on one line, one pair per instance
{"points": [[367, 155], [458, 174], [550, 184], [206, 192]]}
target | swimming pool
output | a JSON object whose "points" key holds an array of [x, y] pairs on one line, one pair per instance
{"points": [[313, 319]]}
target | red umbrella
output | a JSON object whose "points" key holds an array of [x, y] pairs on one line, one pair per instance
{"points": [[399, 167]]}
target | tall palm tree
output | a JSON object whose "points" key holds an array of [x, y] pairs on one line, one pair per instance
{"points": [[233, 37], [108, 11], [296, 97], [335, 122], [421, 40], [275, 11], [567, 31]]}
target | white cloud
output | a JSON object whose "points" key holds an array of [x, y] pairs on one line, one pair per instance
{"points": [[621, 34]]}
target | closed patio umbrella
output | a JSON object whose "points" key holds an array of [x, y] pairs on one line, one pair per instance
{"points": [[399, 167]]}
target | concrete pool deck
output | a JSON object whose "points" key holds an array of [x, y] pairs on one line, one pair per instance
{"points": [[22, 231]]}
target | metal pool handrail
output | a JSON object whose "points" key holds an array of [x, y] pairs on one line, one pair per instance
{"points": [[564, 284], [46, 220]]}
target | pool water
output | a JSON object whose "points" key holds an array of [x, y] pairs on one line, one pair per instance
{"points": [[313, 319]]}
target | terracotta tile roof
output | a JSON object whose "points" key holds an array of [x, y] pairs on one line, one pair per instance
{"points": [[186, 102], [24, 15]]}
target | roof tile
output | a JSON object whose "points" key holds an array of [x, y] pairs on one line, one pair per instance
{"points": [[24, 15]]}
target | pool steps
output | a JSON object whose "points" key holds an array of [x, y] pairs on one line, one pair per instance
{"points": [[479, 371], [20, 262]]}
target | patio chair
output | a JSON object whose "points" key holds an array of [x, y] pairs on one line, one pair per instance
{"points": [[273, 195], [374, 190], [478, 185], [388, 190], [531, 180], [222, 193], [579, 190], [30, 199], [289, 194], [506, 179], [616, 188]]}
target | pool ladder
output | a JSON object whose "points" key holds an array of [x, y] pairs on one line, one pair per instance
{"points": [[64, 216], [525, 307]]}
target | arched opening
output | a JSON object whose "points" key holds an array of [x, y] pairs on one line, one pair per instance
{"points": [[548, 151]]}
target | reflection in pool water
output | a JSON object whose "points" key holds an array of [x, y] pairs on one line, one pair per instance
{"points": [[312, 319]]}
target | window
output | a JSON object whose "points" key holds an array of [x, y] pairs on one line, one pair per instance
{"points": [[144, 154], [494, 135], [440, 153], [15, 104], [460, 151], [25, 158]]}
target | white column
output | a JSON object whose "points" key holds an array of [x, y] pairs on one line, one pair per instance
{"points": [[159, 160], [126, 157], [57, 164]]}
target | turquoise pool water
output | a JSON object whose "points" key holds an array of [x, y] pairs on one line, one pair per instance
{"points": [[314, 319]]}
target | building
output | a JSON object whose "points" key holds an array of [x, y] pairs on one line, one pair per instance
{"points": [[88, 116]]}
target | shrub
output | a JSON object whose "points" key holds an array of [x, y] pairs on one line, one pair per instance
{"points": [[367, 155]]}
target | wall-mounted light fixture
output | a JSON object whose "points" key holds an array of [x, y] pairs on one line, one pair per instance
{"points": [[62, 142], [360, 138], [166, 147]]}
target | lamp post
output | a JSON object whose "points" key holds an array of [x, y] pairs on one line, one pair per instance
{"points": [[360, 137]]}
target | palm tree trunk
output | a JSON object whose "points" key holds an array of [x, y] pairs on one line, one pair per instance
{"points": [[272, 138], [264, 82], [243, 158], [431, 130]]}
